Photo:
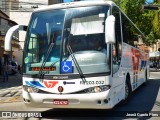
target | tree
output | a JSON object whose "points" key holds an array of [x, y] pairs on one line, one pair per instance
{"points": [[147, 21], [156, 24]]}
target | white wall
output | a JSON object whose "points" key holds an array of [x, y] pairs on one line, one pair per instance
{"points": [[18, 57], [22, 19]]}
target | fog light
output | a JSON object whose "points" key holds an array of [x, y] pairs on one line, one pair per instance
{"points": [[99, 101], [105, 101], [28, 101]]}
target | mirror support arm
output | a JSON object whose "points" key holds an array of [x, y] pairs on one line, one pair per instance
{"points": [[10, 33]]}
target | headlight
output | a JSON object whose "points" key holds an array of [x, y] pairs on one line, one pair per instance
{"points": [[105, 87], [97, 89], [30, 89]]}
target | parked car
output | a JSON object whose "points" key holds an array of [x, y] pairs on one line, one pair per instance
{"points": [[13, 68], [151, 64], [155, 64]]}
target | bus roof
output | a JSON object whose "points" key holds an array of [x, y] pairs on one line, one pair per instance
{"points": [[76, 4], [81, 4]]}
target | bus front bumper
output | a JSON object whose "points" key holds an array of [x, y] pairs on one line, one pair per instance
{"points": [[79, 101]]}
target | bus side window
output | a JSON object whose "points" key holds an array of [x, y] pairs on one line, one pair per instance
{"points": [[117, 47]]}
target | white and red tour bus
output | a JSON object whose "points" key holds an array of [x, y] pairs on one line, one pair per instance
{"points": [[80, 55]]}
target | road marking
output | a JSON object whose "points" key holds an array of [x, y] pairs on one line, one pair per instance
{"points": [[4, 93], [15, 99], [11, 99]]}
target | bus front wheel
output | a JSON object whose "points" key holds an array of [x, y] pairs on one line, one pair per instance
{"points": [[127, 93]]}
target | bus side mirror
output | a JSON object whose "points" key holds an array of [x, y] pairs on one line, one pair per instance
{"points": [[110, 29], [10, 33]]}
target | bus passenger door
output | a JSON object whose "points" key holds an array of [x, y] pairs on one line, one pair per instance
{"points": [[117, 75]]}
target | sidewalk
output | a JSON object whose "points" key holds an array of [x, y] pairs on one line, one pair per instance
{"points": [[155, 76], [14, 80], [11, 90], [154, 70]]}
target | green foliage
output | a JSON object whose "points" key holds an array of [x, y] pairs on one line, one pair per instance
{"points": [[146, 20], [151, 39]]}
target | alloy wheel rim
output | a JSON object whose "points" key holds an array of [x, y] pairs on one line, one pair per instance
{"points": [[126, 91]]}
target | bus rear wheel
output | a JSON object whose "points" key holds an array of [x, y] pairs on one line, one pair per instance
{"points": [[146, 78]]}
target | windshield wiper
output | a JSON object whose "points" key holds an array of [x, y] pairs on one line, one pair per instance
{"points": [[76, 63], [41, 74]]}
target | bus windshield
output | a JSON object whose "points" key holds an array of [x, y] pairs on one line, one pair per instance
{"points": [[82, 29]]}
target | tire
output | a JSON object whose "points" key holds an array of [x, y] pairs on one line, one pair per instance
{"points": [[128, 92], [146, 78]]}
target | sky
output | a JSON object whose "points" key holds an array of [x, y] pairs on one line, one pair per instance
{"points": [[149, 1], [68, 0]]}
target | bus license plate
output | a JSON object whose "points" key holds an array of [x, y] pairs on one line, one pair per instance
{"points": [[60, 102]]}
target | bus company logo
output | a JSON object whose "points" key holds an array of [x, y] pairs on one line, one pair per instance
{"points": [[65, 82], [60, 89], [50, 84], [46, 84]]}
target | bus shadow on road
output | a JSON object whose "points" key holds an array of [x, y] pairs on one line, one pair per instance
{"points": [[141, 101], [143, 98]]}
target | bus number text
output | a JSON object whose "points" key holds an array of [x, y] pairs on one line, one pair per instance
{"points": [[92, 83]]}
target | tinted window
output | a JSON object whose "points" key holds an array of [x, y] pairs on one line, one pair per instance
{"points": [[130, 32]]}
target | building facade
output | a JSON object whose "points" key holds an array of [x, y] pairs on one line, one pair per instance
{"points": [[20, 11], [5, 24]]}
